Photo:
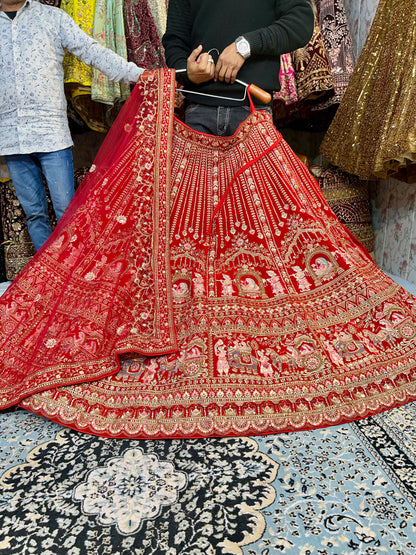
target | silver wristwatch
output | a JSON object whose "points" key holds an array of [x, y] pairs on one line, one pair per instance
{"points": [[243, 47]]}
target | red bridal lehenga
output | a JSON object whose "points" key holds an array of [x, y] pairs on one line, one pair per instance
{"points": [[201, 286]]}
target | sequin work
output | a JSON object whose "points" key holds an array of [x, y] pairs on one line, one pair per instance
{"points": [[251, 310], [373, 133]]}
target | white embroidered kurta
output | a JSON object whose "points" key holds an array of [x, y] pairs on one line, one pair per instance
{"points": [[33, 116]]}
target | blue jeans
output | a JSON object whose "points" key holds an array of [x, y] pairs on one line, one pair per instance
{"points": [[26, 173], [216, 120]]}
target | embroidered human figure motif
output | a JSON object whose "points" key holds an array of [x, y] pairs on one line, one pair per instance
{"points": [[347, 346], [275, 283], [199, 286], [249, 285], [305, 348], [150, 370], [371, 348], [322, 267], [222, 363], [241, 357], [180, 289], [266, 367], [227, 285], [334, 355], [396, 318], [300, 276]]}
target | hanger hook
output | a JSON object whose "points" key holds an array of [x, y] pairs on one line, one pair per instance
{"points": [[215, 50]]}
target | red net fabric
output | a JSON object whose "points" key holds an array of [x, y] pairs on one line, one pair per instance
{"points": [[202, 286], [65, 317]]}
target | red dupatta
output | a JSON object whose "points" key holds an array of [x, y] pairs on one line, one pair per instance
{"points": [[63, 319]]}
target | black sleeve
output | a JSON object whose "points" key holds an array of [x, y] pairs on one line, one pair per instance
{"points": [[292, 29], [176, 40]]}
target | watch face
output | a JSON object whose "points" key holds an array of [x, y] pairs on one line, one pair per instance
{"points": [[243, 47]]}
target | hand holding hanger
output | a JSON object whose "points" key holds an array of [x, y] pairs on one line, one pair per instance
{"points": [[259, 93], [200, 66], [206, 72], [228, 64]]}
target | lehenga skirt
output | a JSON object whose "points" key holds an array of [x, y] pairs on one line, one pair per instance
{"points": [[201, 286]]}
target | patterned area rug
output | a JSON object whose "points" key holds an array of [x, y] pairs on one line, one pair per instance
{"points": [[349, 489]]}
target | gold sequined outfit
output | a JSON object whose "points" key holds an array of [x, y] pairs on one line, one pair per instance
{"points": [[373, 133]]}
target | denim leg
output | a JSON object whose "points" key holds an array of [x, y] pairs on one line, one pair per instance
{"points": [[27, 180], [229, 118], [58, 170], [202, 118], [215, 120]]}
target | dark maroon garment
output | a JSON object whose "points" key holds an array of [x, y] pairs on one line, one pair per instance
{"points": [[144, 46]]}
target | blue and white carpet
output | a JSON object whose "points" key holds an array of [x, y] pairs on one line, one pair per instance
{"points": [[349, 489]]}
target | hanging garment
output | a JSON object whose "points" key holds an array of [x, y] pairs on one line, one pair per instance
{"points": [[18, 247], [17, 243], [312, 68], [83, 14], [202, 286], [338, 44], [287, 94], [373, 132], [144, 44], [159, 11], [349, 198], [108, 30], [78, 76], [314, 84]]}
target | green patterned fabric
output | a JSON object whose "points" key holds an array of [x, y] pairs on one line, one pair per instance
{"points": [[109, 31]]}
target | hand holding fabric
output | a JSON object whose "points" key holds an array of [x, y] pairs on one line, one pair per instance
{"points": [[229, 64], [200, 67]]}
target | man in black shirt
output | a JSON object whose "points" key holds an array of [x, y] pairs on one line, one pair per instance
{"points": [[217, 41]]}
